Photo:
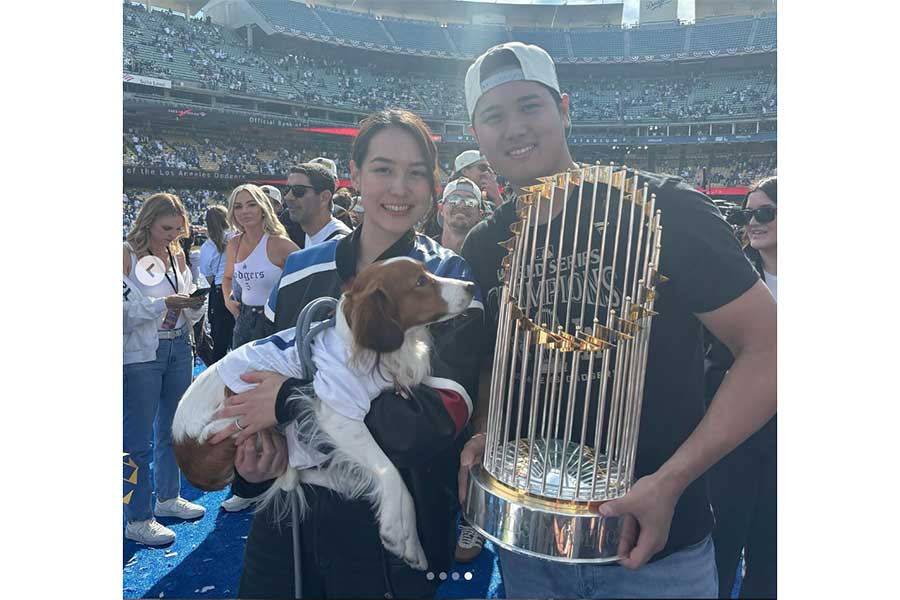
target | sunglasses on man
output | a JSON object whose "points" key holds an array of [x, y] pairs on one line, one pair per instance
{"points": [[298, 190], [763, 214], [456, 200]]}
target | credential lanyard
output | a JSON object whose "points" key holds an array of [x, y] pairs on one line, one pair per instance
{"points": [[174, 271]]}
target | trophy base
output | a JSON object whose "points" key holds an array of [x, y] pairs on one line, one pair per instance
{"points": [[558, 530]]}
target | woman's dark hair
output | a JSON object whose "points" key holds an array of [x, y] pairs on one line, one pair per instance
{"points": [[407, 121], [343, 198], [217, 225], [766, 185], [769, 187]]}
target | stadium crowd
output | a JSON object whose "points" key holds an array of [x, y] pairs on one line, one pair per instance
{"points": [[236, 156], [218, 61], [228, 155]]}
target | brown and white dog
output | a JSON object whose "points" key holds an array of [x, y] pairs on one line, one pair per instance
{"points": [[381, 322]]}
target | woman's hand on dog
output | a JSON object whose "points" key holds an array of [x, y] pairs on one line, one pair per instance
{"points": [[254, 409], [268, 462]]}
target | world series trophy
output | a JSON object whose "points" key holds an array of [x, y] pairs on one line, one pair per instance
{"points": [[549, 462]]}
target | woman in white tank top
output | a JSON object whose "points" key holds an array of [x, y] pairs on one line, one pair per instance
{"points": [[255, 257]]}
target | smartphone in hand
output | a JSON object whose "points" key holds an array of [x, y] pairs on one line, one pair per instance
{"points": [[200, 292]]}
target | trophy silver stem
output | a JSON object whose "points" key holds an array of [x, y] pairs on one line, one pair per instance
{"points": [[544, 471]]}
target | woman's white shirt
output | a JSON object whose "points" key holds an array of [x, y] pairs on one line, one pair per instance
{"points": [[144, 310], [772, 283], [212, 262]]}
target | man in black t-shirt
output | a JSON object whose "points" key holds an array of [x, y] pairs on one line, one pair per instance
{"points": [[519, 118]]}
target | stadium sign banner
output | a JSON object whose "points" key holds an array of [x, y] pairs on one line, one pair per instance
{"points": [[275, 121], [144, 80], [136, 172]]}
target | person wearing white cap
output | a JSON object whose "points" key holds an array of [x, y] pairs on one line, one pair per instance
{"points": [[519, 118], [274, 195], [327, 163], [461, 208], [474, 166]]}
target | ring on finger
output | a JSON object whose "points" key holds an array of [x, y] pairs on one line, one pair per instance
{"points": [[237, 423]]}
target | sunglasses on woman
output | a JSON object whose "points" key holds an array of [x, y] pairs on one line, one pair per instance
{"points": [[763, 214], [298, 190]]}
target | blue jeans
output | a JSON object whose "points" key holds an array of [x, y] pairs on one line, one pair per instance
{"points": [[688, 573], [151, 394], [245, 325]]}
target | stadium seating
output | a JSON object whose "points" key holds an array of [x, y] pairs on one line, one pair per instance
{"points": [[656, 41], [353, 26], [598, 43], [551, 40], [294, 16], [765, 33], [418, 36], [721, 36], [649, 42], [205, 55], [472, 40]]}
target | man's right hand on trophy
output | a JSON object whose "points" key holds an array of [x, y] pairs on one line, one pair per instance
{"points": [[471, 453], [651, 502]]}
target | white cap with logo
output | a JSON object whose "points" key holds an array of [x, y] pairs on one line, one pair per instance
{"points": [[272, 192], [461, 186], [327, 163], [534, 64], [467, 158]]}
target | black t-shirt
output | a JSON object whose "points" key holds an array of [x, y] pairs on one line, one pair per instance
{"points": [[706, 270], [294, 230]]}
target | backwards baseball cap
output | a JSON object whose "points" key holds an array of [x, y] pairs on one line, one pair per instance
{"points": [[520, 62], [467, 158], [327, 163], [272, 192], [462, 186]]}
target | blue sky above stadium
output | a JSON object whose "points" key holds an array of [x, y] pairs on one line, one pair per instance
{"points": [[630, 8]]}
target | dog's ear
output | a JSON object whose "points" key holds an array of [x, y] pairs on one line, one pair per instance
{"points": [[374, 322]]}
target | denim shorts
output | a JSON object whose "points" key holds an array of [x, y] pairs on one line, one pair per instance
{"points": [[246, 324]]}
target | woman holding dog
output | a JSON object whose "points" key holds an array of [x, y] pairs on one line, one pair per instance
{"points": [[158, 314], [394, 166]]}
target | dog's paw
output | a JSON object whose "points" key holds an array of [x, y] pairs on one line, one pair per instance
{"points": [[397, 527]]}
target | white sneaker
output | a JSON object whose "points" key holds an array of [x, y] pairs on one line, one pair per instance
{"points": [[150, 532], [469, 545], [178, 507], [236, 503]]}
